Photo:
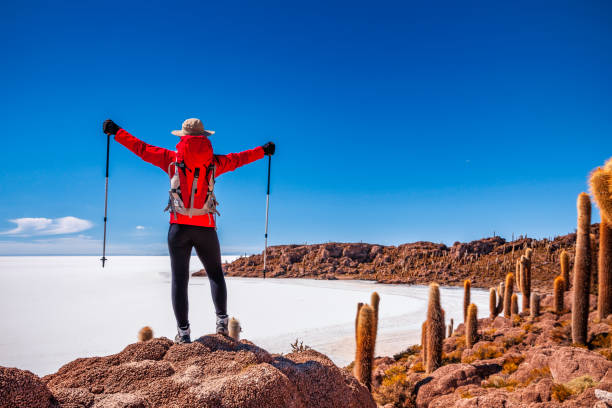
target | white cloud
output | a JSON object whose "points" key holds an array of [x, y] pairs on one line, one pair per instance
{"points": [[140, 227], [48, 226], [78, 245]]}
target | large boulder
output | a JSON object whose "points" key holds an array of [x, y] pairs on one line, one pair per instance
{"points": [[19, 388], [447, 378], [214, 371]]}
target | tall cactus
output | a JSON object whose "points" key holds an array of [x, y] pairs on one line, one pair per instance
{"points": [[534, 307], [471, 326], [514, 308], [364, 351], [594, 252], [558, 294], [601, 187], [435, 329], [375, 302], [359, 306], [526, 280], [451, 327], [582, 271], [604, 266], [500, 297], [424, 342], [517, 273], [493, 303], [508, 290], [564, 260], [467, 284]]}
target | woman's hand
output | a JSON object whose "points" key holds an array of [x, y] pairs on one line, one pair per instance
{"points": [[109, 127], [269, 148]]}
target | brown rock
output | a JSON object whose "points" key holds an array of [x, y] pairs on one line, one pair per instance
{"points": [[215, 371], [447, 378], [19, 388], [567, 363]]}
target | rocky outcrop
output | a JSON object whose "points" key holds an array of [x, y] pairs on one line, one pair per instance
{"points": [[517, 362], [19, 388], [485, 262], [214, 371]]}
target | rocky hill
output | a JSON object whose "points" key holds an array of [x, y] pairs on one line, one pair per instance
{"points": [[483, 261], [214, 372]]}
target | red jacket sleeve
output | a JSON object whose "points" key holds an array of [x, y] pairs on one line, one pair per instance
{"points": [[232, 161], [155, 155]]}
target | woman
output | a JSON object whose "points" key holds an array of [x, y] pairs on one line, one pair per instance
{"points": [[192, 229]]}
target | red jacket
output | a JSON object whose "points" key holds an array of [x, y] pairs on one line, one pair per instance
{"points": [[163, 157]]}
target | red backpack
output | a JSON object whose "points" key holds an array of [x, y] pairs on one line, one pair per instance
{"points": [[193, 180]]}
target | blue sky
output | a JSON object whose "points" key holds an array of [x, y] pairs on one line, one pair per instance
{"points": [[394, 121]]}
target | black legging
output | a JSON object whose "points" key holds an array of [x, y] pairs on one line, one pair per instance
{"points": [[181, 239]]}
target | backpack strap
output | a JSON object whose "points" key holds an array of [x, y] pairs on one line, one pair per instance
{"points": [[194, 188]]}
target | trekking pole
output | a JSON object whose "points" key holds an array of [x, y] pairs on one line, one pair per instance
{"points": [[267, 212], [103, 259]]}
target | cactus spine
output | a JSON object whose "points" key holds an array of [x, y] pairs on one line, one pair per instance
{"points": [[604, 266], [492, 303], [364, 353], [534, 307], [558, 294], [526, 280], [601, 186], [517, 273], [500, 298], [508, 289], [374, 302], [467, 284], [582, 271], [424, 342], [564, 260], [471, 326], [514, 309], [359, 306], [435, 329]]}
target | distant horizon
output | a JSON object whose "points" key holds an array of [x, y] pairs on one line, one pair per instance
{"points": [[249, 253]]}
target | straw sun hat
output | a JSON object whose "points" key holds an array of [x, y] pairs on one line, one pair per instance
{"points": [[192, 127]]}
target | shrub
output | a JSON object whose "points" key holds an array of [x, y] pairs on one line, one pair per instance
{"points": [[413, 350], [513, 340], [484, 352], [497, 381], [560, 392], [298, 346], [395, 388], [536, 375], [511, 364]]}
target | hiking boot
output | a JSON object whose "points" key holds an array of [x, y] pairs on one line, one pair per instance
{"points": [[183, 336], [222, 321]]}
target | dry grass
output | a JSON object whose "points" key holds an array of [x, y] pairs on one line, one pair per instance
{"points": [[395, 388], [452, 357], [418, 367], [497, 381], [511, 364], [484, 352], [410, 351], [561, 392], [536, 375], [513, 340]]}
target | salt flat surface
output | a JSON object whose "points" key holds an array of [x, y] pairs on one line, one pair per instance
{"points": [[56, 309]]}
